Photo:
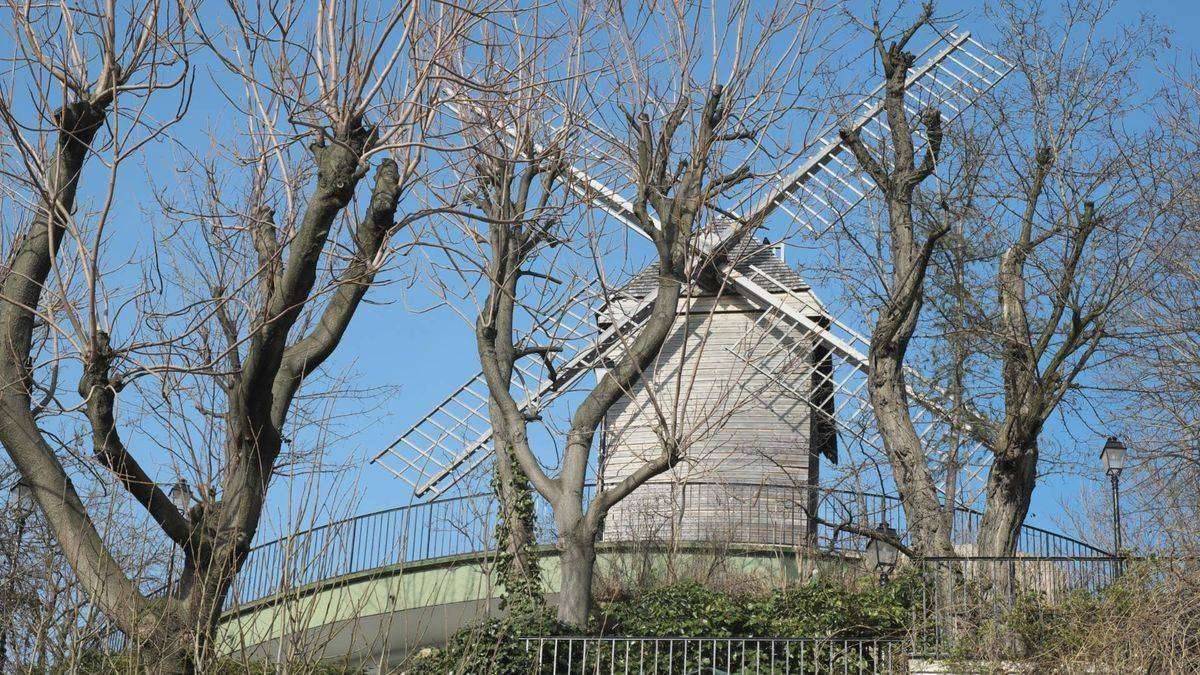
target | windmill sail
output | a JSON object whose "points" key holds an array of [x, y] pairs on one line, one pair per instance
{"points": [[456, 435], [827, 185]]}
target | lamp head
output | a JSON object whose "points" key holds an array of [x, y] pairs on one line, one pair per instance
{"points": [[23, 496], [1113, 456], [881, 554], [181, 496]]}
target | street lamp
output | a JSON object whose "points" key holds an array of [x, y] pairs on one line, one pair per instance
{"points": [[882, 553], [1113, 457], [22, 496], [181, 496]]}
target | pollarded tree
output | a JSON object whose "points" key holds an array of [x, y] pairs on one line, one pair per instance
{"points": [[268, 259], [1061, 209], [910, 250], [678, 121], [1085, 220], [508, 176]]}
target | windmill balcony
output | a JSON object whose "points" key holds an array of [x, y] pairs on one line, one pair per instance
{"points": [[403, 578], [464, 525]]}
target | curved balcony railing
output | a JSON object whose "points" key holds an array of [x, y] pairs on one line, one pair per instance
{"points": [[464, 525]]}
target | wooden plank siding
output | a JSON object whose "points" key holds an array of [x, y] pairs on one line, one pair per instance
{"points": [[746, 437]]}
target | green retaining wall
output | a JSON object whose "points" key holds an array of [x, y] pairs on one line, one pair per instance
{"points": [[383, 614]]}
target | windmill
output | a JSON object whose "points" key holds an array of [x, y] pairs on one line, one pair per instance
{"points": [[453, 438]]}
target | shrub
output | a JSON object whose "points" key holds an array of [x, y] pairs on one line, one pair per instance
{"points": [[1148, 621], [490, 646], [685, 609], [818, 609], [827, 608]]}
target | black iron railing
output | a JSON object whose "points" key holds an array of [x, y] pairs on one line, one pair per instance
{"points": [[464, 525], [977, 604]]}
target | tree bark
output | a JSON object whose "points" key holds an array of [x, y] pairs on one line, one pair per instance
{"points": [[519, 571], [514, 232], [175, 632], [20, 295], [904, 296], [1039, 365], [677, 195], [577, 564], [927, 530], [1009, 491]]}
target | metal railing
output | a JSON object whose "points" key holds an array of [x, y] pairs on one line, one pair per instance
{"points": [[793, 515], [600, 655], [464, 525], [406, 534], [976, 603]]}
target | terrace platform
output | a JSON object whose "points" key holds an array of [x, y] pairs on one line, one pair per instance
{"points": [[375, 587]]}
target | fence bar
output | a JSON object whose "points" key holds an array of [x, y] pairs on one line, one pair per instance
{"points": [[671, 655]]}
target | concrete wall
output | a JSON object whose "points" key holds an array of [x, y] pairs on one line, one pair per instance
{"points": [[383, 615]]}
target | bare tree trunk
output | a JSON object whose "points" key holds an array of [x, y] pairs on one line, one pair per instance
{"points": [[1086, 241], [518, 567], [676, 138], [1033, 383], [1009, 491], [577, 564], [22, 287], [927, 529], [578, 530], [261, 369], [904, 295]]}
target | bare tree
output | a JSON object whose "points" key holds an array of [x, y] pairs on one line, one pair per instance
{"points": [[910, 253], [252, 322], [516, 229], [1084, 224], [527, 180], [1160, 415], [514, 160], [127, 56], [1060, 206]]}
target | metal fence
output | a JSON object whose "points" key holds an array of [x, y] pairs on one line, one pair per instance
{"points": [[978, 603], [426, 531], [814, 516], [668, 656], [464, 525]]}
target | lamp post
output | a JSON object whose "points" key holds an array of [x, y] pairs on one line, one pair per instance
{"points": [[881, 554], [22, 497], [1113, 457], [181, 496]]}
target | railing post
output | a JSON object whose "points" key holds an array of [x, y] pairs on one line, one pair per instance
{"points": [[428, 529]]}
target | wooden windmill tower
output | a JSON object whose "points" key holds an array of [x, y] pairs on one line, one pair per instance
{"points": [[798, 372], [751, 446]]}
